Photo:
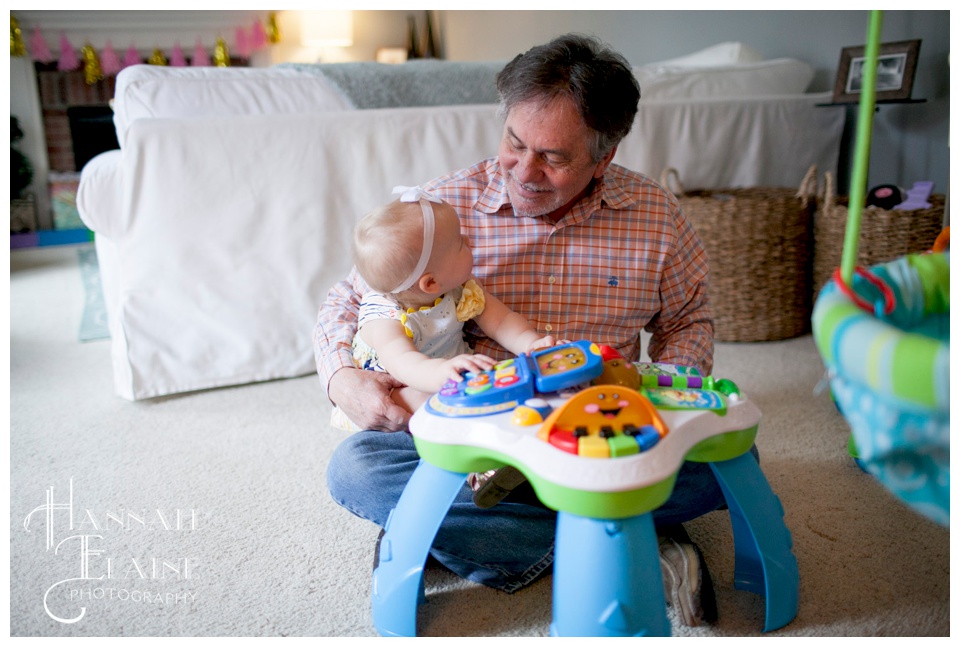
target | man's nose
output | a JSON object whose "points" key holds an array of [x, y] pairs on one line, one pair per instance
{"points": [[527, 168]]}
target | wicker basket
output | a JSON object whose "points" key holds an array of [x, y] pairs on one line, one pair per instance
{"points": [[759, 242], [885, 234]]}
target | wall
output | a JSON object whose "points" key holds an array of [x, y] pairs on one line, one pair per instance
{"points": [[909, 141]]}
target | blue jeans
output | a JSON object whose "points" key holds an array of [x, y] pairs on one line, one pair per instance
{"points": [[369, 470]]}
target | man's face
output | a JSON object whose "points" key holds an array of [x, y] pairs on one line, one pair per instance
{"points": [[545, 155]]}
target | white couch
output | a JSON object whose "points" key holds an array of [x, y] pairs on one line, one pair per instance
{"points": [[226, 215]]}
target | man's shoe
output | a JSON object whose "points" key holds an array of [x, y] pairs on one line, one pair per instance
{"points": [[495, 488], [686, 580]]}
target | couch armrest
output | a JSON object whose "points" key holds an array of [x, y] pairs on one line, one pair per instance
{"points": [[100, 194]]}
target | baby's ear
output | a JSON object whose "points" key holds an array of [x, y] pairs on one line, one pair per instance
{"points": [[428, 284]]}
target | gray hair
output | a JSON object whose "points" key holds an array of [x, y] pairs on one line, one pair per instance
{"points": [[597, 79]]}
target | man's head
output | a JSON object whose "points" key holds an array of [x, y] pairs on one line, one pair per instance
{"points": [[566, 105]]}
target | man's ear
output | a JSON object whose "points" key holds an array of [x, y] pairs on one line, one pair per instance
{"points": [[428, 284]]}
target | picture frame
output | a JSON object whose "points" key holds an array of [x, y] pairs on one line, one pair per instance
{"points": [[896, 67]]}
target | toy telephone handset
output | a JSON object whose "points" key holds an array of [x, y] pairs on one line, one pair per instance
{"points": [[513, 381]]}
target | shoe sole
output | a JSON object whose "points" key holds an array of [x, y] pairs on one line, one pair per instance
{"points": [[498, 487]]}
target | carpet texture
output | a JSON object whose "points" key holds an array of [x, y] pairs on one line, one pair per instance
{"points": [[207, 514]]}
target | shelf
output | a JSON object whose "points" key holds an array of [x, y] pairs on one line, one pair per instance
{"points": [[46, 237], [879, 102]]}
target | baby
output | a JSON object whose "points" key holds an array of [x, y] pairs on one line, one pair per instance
{"points": [[412, 254]]}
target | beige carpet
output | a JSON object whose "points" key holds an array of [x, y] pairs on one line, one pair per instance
{"points": [[261, 550]]}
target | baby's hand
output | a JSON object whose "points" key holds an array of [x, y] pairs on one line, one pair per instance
{"points": [[453, 367]]}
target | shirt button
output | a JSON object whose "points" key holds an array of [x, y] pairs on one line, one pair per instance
{"points": [[552, 280], [548, 328]]}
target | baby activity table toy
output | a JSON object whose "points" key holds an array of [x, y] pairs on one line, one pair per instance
{"points": [[600, 440]]}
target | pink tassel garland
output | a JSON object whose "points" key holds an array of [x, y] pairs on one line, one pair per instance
{"points": [[131, 57], [176, 57], [258, 38], [200, 56], [68, 57], [39, 49], [109, 61], [243, 44]]}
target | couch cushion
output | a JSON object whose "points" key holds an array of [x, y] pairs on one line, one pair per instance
{"points": [[719, 55], [765, 78], [428, 82], [151, 91]]}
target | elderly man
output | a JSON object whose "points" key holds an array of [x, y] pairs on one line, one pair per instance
{"points": [[584, 249]]}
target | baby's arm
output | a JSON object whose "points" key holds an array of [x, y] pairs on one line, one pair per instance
{"points": [[402, 360], [510, 329]]}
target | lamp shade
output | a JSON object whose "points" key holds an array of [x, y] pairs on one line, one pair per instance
{"points": [[326, 28]]}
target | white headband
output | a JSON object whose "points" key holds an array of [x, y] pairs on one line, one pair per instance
{"points": [[416, 194]]}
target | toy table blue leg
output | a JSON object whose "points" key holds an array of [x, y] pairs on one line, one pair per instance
{"points": [[764, 562], [607, 579], [409, 533]]}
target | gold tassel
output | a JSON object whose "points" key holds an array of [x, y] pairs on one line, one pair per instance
{"points": [[17, 48], [157, 58], [92, 72], [273, 30], [221, 55]]}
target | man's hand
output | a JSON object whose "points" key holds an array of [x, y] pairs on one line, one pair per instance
{"points": [[365, 397]]}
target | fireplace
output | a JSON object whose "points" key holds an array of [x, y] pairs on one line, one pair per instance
{"points": [[77, 120], [91, 132]]}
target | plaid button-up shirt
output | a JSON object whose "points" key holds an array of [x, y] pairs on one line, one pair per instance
{"points": [[624, 258]]}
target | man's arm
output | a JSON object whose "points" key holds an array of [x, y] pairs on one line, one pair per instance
{"points": [[363, 395]]}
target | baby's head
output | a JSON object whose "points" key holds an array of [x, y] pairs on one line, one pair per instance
{"points": [[404, 241]]}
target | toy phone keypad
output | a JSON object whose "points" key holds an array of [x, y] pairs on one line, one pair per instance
{"points": [[513, 381], [502, 388]]}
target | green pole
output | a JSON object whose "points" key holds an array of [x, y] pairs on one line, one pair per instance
{"points": [[858, 186]]}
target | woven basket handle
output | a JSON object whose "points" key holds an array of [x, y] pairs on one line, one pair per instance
{"points": [[665, 177], [829, 192], [808, 186]]}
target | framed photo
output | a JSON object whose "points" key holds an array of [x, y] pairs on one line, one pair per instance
{"points": [[896, 65]]}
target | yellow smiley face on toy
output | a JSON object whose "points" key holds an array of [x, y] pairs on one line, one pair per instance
{"points": [[603, 410]]}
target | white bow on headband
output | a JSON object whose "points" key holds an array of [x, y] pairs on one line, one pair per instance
{"points": [[416, 194]]}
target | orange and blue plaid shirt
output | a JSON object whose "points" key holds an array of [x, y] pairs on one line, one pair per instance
{"points": [[624, 258]]}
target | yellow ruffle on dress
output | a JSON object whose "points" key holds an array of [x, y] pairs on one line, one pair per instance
{"points": [[471, 301]]}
